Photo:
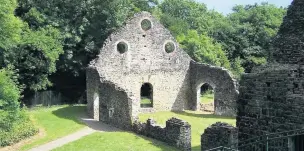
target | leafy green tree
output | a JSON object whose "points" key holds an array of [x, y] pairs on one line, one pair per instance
{"points": [[203, 49], [83, 26], [10, 27], [35, 57], [33, 52], [249, 32]]}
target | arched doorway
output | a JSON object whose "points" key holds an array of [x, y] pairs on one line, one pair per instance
{"points": [[206, 97], [146, 96]]}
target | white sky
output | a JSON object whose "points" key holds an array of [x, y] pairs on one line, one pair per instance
{"points": [[225, 6]]}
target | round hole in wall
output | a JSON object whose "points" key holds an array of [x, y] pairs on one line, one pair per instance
{"points": [[169, 47], [146, 24], [122, 47]]}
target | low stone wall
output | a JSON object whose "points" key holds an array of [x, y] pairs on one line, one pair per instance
{"points": [[176, 133], [219, 134]]}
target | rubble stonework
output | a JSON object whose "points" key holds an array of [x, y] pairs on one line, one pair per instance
{"points": [[219, 134], [176, 133], [271, 99], [131, 57]]}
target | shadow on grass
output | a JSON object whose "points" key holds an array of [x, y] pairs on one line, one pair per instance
{"points": [[71, 112], [203, 115]]}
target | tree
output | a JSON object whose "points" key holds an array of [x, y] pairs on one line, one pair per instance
{"points": [[10, 27], [35, 57], [249, 33], [203, 49], [32, 52], [84, 25]]}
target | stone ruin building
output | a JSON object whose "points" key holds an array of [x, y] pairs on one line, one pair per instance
{"points": [[271, 100], [144, 56]]}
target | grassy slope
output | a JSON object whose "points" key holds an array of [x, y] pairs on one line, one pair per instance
{"points": [[198, 120], [56, 121], [115, 141]]}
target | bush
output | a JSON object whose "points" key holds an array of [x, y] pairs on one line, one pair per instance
{"points": [[22, 128], [15, 124], [9, 97]]}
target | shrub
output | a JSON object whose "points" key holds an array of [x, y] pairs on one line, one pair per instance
{"points": [[9, 97], [22, 128], [15, 124]]}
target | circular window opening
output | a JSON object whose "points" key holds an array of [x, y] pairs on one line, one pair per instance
{"points": [[169, 47], [122, 47], [146, 24]]}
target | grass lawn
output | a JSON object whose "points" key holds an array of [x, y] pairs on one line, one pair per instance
{"points": [[145, 102], [115, 141], [199, 122], [207, 98], [56, 122]]}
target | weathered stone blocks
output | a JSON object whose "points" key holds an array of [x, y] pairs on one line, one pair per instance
{"points": [[219, 134], [176, 133], [133, 56]]}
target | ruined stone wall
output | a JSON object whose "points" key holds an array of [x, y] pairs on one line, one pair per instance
{"points": [[146, 61], [288, 44], [219, 134], [225, 91], [176, 133], [93, 80], [271, 101], [115, 106], [107, 102]]}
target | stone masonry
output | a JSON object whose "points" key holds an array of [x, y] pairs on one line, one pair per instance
{"points": [[219, 134], [135, 55], [176, 133], [271, 99]]}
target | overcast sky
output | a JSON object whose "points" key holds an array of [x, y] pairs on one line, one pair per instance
{"points": [[225, 6]]}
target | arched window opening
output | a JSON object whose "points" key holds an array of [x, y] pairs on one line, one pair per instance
{"points": [[206, 97], [146, 95]]}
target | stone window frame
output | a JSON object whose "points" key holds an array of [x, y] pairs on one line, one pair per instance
{"points": [[139, 24], [164, 46], [124, 41]]}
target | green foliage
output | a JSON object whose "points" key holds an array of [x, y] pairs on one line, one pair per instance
{"points": [[249, 32], [192, 24], [83, 27], [10, 26], [9, 96], [35, 57], [15, 125], [203, 49], [21, 129]]}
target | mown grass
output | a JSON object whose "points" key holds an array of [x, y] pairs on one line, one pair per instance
{"points": [[207, 98], [115, 141], [199, 122], [56, 122], [62, 120], [145, 102]]}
